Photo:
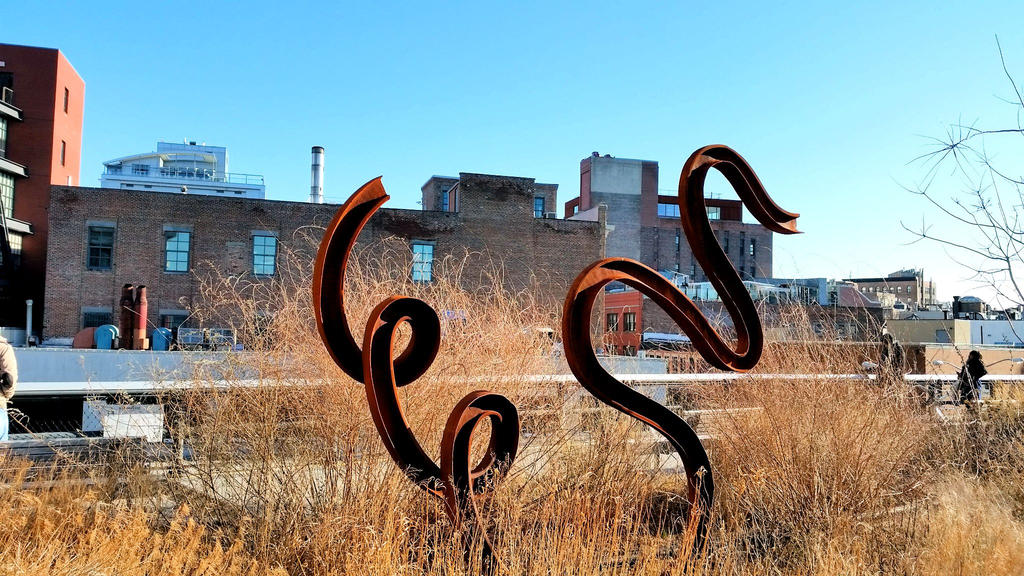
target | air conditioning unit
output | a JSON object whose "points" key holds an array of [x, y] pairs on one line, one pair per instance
{"points": [[550, 215]]}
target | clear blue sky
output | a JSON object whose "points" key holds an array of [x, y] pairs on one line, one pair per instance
{"points": [[828, 105]]}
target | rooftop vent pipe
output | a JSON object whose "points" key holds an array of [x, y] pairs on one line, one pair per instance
{"points": [[316, 190]]}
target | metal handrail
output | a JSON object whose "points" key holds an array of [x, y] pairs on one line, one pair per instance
{"points": [[167, 172]]}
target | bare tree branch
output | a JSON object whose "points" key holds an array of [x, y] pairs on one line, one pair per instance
{"points": [[989, 210]]}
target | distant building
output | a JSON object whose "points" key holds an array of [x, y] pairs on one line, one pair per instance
{"points": [[42, 101], [964, 332], [110, 237], [643, 224], [181, 167], [907, 287]]}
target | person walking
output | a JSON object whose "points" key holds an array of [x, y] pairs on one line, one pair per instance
{"points": [[892, 362], [8, 382], [967, 380]]}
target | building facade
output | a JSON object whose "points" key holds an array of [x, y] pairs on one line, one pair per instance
{"points": [[111, 237], [906, 286], [644, 224], [181, 167], [42, 102], [962, 332]]}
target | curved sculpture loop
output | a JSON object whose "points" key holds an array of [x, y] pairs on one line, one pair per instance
{"points": [[588, 286], [456, 480]]}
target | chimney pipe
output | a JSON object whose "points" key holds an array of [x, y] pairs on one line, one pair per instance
{"points": [[139, 340], [126, 321], [28, 323], [316, 189]]}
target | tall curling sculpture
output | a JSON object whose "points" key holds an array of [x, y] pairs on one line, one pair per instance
{"points": [[457, 481]]}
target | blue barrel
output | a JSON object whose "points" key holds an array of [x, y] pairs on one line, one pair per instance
{"points": [[161, 339], [105, 336]]}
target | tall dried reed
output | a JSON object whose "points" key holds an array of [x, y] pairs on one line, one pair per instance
{"points": [[283, 468]]}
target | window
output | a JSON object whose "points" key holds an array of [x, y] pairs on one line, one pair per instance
{"points": [[668, 210], [714, 212], [725, 244], [140, 169], [16, 240], [3, 137], [101, 248], [7, 193], [63, 151], [538, 206], [612, 322], [629, 322], [176, 244], [445, 199], [753, 247], [693, 270], [422, 262], [173, 319], [264, 254], [575, 209], [91, 318], [66, 98]]}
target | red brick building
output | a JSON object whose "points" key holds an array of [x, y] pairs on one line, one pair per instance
{"points": [[623, 317], [103, 238], [41, 112]]}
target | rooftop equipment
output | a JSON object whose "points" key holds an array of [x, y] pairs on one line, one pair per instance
{"points": [[316, 189]]}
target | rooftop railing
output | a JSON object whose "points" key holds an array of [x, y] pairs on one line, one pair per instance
{"points": [[178, 173]]}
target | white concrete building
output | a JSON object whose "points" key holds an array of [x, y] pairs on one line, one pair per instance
{"points": [[188, 168]]}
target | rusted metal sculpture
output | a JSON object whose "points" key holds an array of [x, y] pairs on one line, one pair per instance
{"points": [[579, 304], [458, 482]]}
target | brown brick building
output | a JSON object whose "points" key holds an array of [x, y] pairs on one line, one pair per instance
{"points": [[102, 238], [907, 286], [42, 101]]}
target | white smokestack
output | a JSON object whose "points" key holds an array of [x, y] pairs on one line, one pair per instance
{"points": [[316, 190], [28, 322]]}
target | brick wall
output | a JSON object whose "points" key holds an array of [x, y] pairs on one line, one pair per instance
{"points": [[495, 223], [40, 76]]}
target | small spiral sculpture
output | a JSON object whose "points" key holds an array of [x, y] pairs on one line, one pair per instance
{"points": [[456, 481]]}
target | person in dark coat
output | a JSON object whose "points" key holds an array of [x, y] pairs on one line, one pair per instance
{"points": [[967, 381], [892, 362]]}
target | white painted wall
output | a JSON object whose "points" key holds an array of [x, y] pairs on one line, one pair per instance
{"points": [[997, 332], [615, 175]]}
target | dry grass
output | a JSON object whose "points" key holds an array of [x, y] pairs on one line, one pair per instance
{"points": [[818, 477], [76, 529]]}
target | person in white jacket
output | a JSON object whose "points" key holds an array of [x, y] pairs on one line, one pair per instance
{"points": [[8, 382]]}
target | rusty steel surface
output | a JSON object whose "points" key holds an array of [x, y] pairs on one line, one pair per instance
{"points": [[457, 481], [588, 286]]}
